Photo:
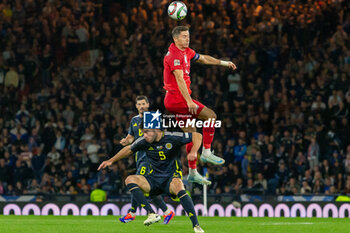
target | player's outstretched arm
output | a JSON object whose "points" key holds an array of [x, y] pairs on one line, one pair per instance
{"points": [[123, 153], [197, 142], [179, 75], [209, 60], [127, 140]]}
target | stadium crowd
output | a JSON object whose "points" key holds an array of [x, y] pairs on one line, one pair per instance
{"points": [[70, 71]]}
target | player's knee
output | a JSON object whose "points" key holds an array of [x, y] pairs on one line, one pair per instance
{"points": [[130, 179], [189, 129], [212, 115], [177, 186]]}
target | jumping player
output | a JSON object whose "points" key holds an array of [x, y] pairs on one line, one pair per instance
{"points": [[142, 163], [166, 176], [177, 63]]}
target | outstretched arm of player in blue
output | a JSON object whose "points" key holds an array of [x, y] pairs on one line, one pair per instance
{"points": [[127, 140], [197, 142], [123, 153], [209, 60]]}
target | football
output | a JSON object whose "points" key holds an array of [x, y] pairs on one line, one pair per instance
{"points": [[177, 10]]}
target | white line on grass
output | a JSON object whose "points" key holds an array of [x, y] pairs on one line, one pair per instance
{"points": [[286, 223], [59, 220]]}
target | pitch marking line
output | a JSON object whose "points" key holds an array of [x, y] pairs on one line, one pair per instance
{"points": [[286, 223]]}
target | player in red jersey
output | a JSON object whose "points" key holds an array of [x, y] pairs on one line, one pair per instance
{"points": [[177, 63]]}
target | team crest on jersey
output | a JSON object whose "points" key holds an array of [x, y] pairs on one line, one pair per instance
{"points": [[176, 62], [168, 146]]}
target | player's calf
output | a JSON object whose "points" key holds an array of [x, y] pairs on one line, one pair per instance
{"points": [[188, 206], [139, 197]]}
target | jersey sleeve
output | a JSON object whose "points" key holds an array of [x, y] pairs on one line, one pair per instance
{"points": [[193, 55], [138, 144], [181, 138], [130, 131], [175, 62], [187, 138]]}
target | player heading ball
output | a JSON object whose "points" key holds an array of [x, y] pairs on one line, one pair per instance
{"points": [[178, 100]]}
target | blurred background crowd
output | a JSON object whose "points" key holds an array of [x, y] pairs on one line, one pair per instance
{"points": [[70, 72]]}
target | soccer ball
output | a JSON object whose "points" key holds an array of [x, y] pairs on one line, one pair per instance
{"points": [[177, 10]]}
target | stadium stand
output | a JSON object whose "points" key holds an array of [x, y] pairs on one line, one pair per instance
{"points": [[70, 72]]}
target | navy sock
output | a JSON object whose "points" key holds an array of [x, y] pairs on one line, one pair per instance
{"points": [[139, 197], [134, 205], [188, 206], [159, 202]]}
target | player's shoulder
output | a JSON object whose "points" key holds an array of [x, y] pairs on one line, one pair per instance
{"points": [[139, 140], [136, 118], [176, 134], [172, 53], [189, 51]]}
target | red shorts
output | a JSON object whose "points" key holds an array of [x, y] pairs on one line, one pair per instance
{"points": [[176, 104]]}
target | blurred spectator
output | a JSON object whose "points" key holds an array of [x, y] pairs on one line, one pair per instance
{"points": [[11, 78], [2, 191], [38, 163], [98, 195], [19, 134], [313, 153], [54, 156], [240, 150], [260, 182], [33, 188], [60, 141], [305, 189]]}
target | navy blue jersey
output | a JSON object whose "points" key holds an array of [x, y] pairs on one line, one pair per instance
{"points": [[136, 132], [134, 128], [162, 155]]}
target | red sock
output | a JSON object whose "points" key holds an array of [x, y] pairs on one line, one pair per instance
{"points": [[208, 136], [191, 164]]}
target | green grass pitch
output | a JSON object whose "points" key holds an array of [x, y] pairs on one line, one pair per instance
{"points": [[95, 224]]}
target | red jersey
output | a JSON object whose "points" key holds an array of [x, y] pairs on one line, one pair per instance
{"points": [[176, 59]]}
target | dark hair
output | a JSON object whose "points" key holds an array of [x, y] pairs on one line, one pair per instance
{"points": [[141, 97], [177, 30]]}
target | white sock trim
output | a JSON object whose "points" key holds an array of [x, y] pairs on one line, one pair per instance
{"points": [[206, 152], [167, 212], [192, 172]]}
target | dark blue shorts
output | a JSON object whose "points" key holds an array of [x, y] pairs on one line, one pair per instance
{"points": [[142, 163], [161, 184]]}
